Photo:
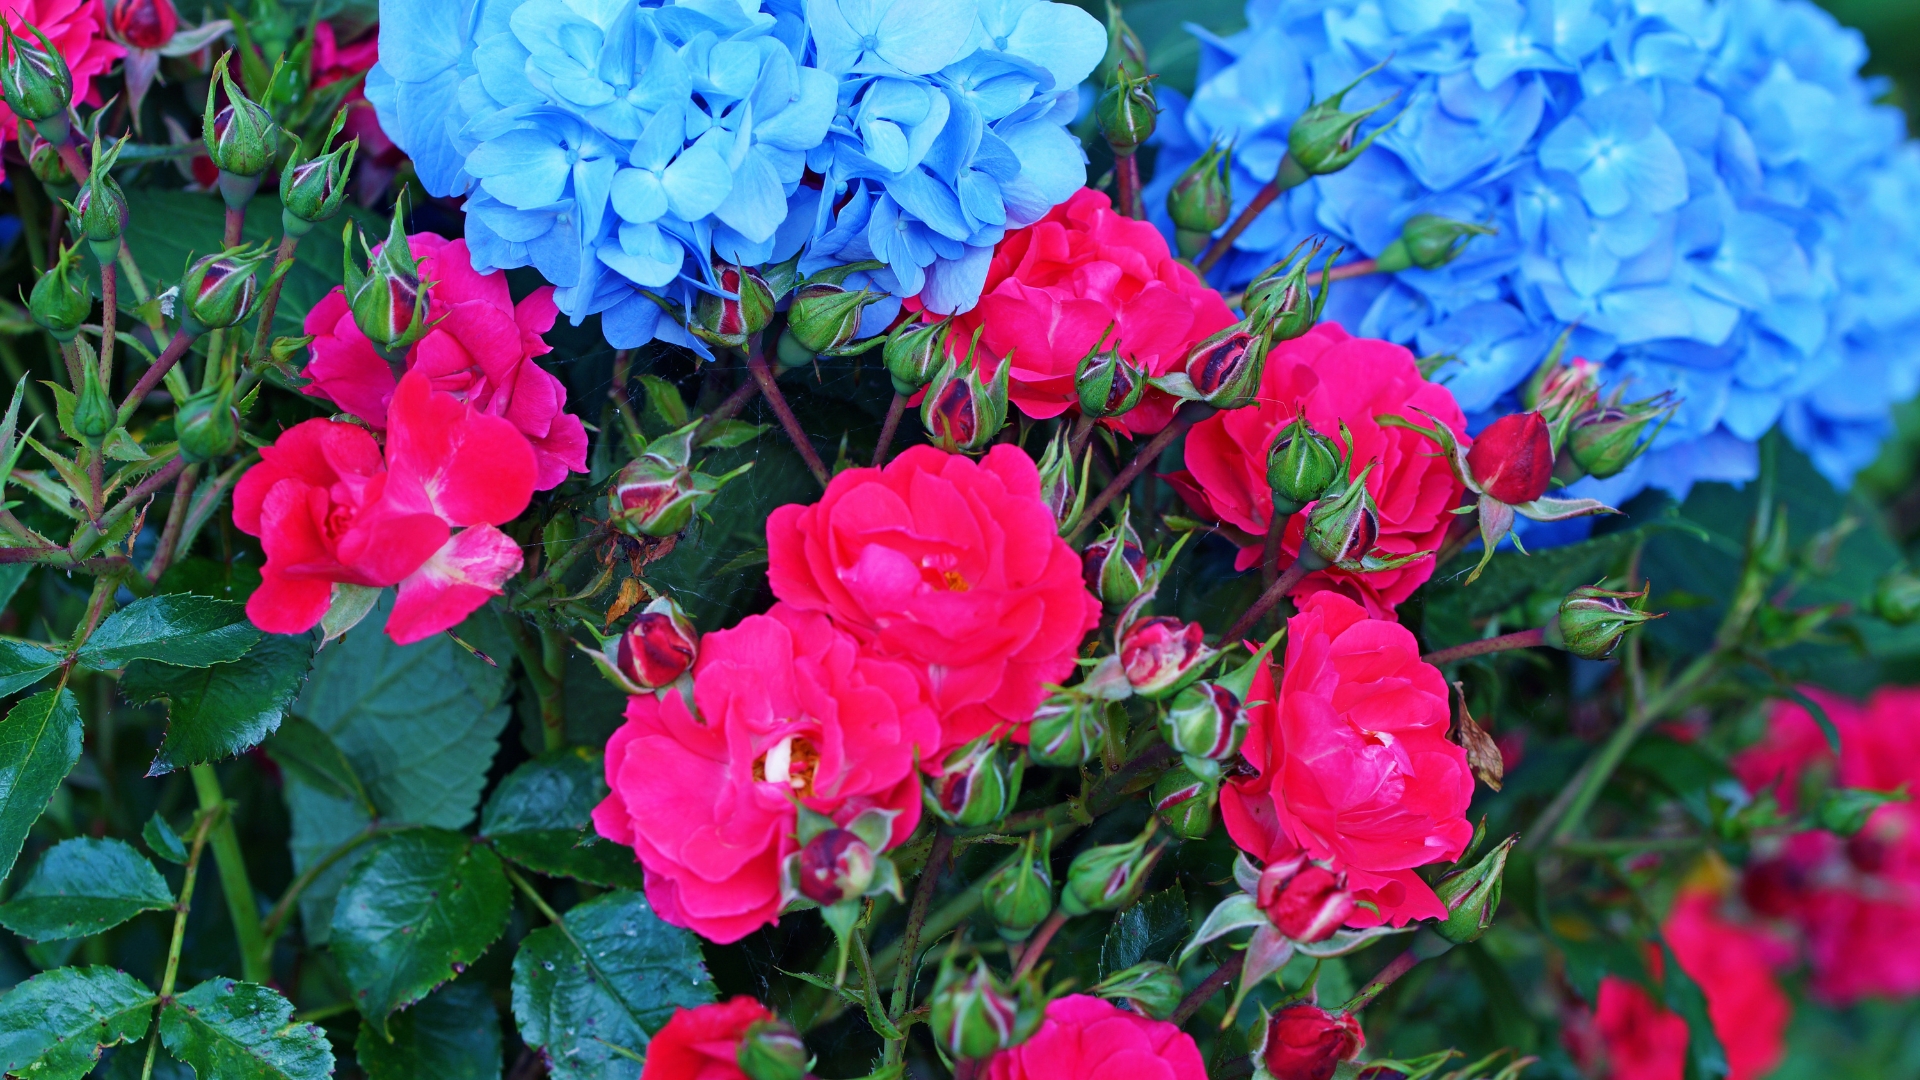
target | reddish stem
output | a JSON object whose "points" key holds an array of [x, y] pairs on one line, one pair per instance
{"points": [[1190, 414], [1281, 586], [887, 429], [732, 404], [1357, 268], [763, 375], [1126, 173], [176, 348], [1519, 639], [236, 221], [109, 307], [1388, 975], [1209, 986], [1287, 176], [70, 157], [1038, 944]]}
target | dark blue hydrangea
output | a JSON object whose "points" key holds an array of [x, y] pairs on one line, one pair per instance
{"points": [[1704, 189]]}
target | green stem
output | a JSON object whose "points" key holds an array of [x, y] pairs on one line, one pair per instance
{"points": [[276, 920], [263, 330], [538, 901], [909, 944], [553, 712], [180, 908], [241, 906], [553, 702]]}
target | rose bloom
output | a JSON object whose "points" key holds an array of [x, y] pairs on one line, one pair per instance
{"points": [[76, 28], [1086, 1038], [330, 508], [952, 565], [1306, 1042], [1354, 762], [703, 1043], [1335, 378], [1856, 901], [1055, 287], [481, 349], [788, 706], [1639, 1038]]}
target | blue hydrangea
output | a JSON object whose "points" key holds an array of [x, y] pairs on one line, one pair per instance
{"points": [[621, 146], [1704, 189]]}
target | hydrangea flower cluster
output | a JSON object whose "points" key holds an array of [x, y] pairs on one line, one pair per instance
{"points": [[620, 147], [1705, 192]]}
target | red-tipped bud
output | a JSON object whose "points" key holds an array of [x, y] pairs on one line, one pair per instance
{"points": [[1512, 460], [835, 866], [1158, 653], [144, 24], [659, 647], [1306, 902], [1306, 1042]]}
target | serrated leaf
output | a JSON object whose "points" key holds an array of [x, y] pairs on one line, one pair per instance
{"points": [[541, 816], [309, 754], [454, 1034], [727, 434], [23, 663], [82, 887], [231, 1030], [39, 744], [218, 711], [181, 630], [418, 909], [163, 841], [54, 1025], [606, 978], [1149, 930], [665, 401]]}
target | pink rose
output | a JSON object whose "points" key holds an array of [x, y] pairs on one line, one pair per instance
{"points": [[1354, 761], [330, 508], [481, 349], [950, 564], [788, 706], [1055, 287], [76, 28], [703, 1043], [1641, 1040], [1335, 378], [1085, 1038]]}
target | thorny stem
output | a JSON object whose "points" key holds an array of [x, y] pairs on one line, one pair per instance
{"points": [[732, 404], [1190, 414], [1209, 986], [1519, 639], [83, 539], [1281, 586], [1038, 944], [770, 389], [1288, 176], [1077, 441], [1126, 176], [241, 905], [180, 908], [910, 939], [109, 307], [263, 330], [236, 221], [1388, 975], [163, 552], [177, 347], [892, 424]]}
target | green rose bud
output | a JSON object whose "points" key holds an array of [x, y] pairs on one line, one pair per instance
{"points": [[1068, 729], [1591, 621], [207, 424], [312, 191], [1321, 140], [963, 411], [219, 290], [1302, 465], [1019, 897], [1127, 112], [824, 321], [1896, 597], [1344, 525], [1060, 489], [974, 1016], [1224, 369], [1109, 877], [241, 138], [94, 415], [728, 321], [914, 352], [1183, 800], [1151, 987], [387, 298], [1115, 566], [1201, 200], [1429, 242], [1281, 302], [1845, 811], [36, 82], [657, 493], [61, 300], [977, 785], [1125, 52], [772, 1050], [1472, 896], [1608, 439], [100, 209], [1108, 384], [1206, 721], [44, 158]]}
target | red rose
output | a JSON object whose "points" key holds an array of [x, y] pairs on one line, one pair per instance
{"points": [[1303, 901], [75, 29], [1334, 378], [1512, 458], [701, 1044], [789, 706], [1640, 1039], [1306, 1042], [1354, 762], [1085, 1038], [1734, 966], [481, 350], [329, 508], [952, 565], [144, 24], [1055, 287]]}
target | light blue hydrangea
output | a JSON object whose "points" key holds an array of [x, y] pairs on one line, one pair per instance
{"points": [[621, 146], [1705, 189]]}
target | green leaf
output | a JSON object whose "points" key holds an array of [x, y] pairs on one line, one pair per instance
{"points": [[39, 744], [54, 1025], [23, 663], [665, 401], [541, 816], [219, 711], [182, 630], [412, 915], [454, 1034], [163, 841], [12, 576], [1152, 929], [82, 887], [310, 755], [592, 990], [230, 1030]]}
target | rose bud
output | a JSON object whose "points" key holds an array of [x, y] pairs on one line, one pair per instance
{"points": [[1183, 800], [1109, 877], [1472, 896], [1152, 988], [745, 309], [43, 158], [219, 290], [659, 647], [772, 1050], [977, 784], [1127, 112], [312, 191], [1281, 302], [657, 493], [1159, 653], [1429, 242], [1591, 621], [1607, 440], [207, 425], [61, 300], [1321, 140], [1205, 721], [100, 209], [1306, 1042], [144, 24], [824, 320], [1108, 384], [973, 1016], [1019, 897], [37, 84], [1201, 200], [835, 866], [1896, 598], [1068, 729], [1115, 567], [1512, 460], [962, 411], [1344, 525], [1305, 901], [241, 138], [1302, 465], [1225, 368], [914, 352], [386, 298], [1059, 488]]}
